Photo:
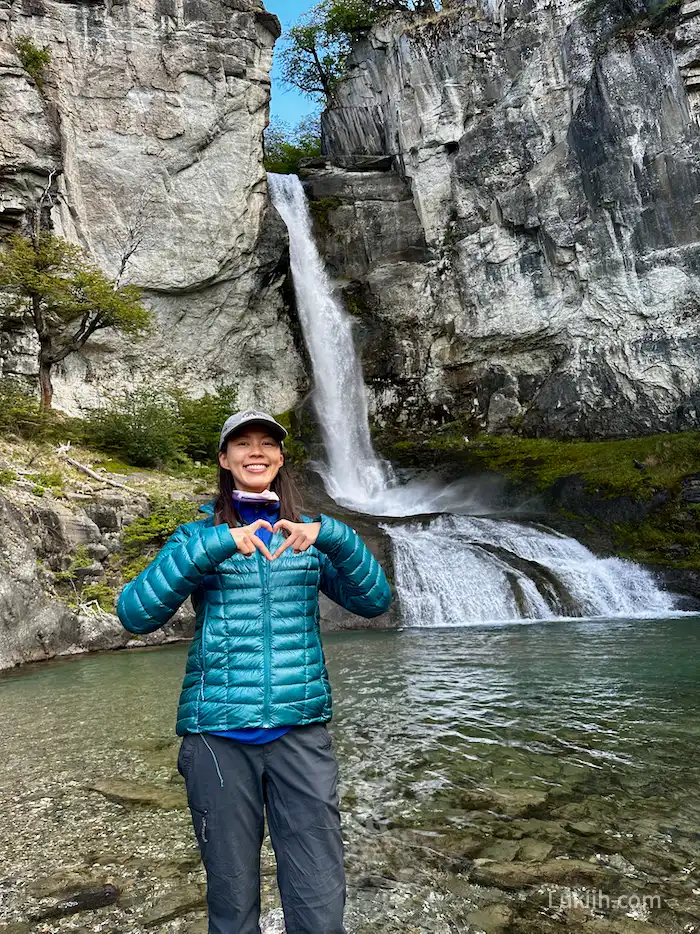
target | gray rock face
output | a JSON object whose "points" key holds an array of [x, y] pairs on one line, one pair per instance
{"points": [[535, 249], [148, 133], [34, 623]]}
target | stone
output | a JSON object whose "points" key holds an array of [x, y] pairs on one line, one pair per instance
{"points": [[97, 551]]}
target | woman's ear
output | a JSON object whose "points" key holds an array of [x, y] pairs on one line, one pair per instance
{"points": [[223, 460]]}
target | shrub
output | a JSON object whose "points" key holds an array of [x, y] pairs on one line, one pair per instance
{"points": [[150, 533], [201, 420], [20, 412], [104, 595], [34, 60], [155, 428], [143, 427]]}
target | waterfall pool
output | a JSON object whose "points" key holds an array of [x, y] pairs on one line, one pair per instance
{"points": [[523, 777]]}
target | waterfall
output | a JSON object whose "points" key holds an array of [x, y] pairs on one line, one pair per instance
{"points": [[354, 475], [461, 567]]}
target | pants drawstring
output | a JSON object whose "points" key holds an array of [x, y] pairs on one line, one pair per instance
{"points": [[221, 777]]}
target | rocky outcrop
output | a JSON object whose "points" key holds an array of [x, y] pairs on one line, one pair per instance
{"points": [[39, 542], [530, 259], [146, 135]]}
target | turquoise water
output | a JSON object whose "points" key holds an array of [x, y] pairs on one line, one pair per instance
{"points": [[485, 773]]}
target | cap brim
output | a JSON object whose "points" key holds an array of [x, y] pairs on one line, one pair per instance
{"points": [[275, 430]]}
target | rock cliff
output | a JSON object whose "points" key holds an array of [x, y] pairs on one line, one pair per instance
{"points": [[146, 134], [510, 198]]}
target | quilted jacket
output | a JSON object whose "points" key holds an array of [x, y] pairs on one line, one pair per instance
{"points": [[256, 659]]}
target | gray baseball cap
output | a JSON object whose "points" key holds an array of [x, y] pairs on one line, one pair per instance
{"points": [[250, 417]]}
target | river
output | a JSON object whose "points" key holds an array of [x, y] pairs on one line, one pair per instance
{"points": [[485, 772]]}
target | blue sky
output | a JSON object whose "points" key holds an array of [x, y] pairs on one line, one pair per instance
{"points": [[288, 104]]}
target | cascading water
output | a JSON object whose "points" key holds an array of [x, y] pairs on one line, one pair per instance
{"points": [[354, 473], [458, 569]]}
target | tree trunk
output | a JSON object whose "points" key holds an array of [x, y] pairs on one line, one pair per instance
{"points": [[45, 383]]}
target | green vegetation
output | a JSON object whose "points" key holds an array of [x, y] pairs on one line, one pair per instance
{"points": [[286, 146], [608, 468], [80, 559], [155, 428], [146, 536], [668, 536], [7, 475], [320, 210], [639, 469], [104, 595], [295, 453], [317, 47], [34, 60], [50, 285]]}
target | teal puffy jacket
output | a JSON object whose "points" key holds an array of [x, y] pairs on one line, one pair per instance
{"points": [[256, 659]]}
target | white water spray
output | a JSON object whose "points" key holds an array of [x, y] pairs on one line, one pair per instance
{"points": [[458, 569]]}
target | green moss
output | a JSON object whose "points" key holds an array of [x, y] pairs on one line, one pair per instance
{"points": [[636, 467], [669, 536], [38, 490], [80, 559], [321, 209], [7, 475], [34, 60], [51, 479]]}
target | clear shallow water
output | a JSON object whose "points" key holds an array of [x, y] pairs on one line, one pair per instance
{"points": [[480, 768]]}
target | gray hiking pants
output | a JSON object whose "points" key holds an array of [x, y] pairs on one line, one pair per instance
{"points": [[294, 779]]}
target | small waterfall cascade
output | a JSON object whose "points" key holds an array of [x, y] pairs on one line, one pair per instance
{"points": [[457, 569], [461, 569]]}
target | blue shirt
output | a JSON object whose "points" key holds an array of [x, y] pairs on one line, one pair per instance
{"points": [[249, 512]]}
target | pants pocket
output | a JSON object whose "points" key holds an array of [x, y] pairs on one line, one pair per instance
{"points": [[188, 747], [201, 831]]}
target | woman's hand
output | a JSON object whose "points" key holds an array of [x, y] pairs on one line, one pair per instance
{"points": [[301, 535], [247, 541]]}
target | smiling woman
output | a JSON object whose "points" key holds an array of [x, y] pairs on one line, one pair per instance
{"points": [[256, 697]]}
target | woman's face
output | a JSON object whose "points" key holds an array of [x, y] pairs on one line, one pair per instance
{"points": [[254, 459]]}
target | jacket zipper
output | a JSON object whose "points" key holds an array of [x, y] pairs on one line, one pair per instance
{"points": [[265, 573], [202, 654]]}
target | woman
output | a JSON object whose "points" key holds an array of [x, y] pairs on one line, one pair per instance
{"points": [[256, 699]]}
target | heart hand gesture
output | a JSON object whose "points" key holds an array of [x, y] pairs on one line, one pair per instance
{"points": [[247, 541], [301, 535]]}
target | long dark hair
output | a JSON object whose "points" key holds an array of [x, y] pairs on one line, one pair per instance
{"points": [[283, 485]]}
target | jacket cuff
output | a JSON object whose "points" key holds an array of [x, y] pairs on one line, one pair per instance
{"points": [[218, 543]]}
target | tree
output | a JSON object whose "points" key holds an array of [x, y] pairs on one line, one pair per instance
{"points": [[317, 47], [285, 146], [50, 285]]}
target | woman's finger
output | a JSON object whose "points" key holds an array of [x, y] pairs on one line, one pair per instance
{"points": [[284, 524], [285, 544], [261, 546], [258, 524]]}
